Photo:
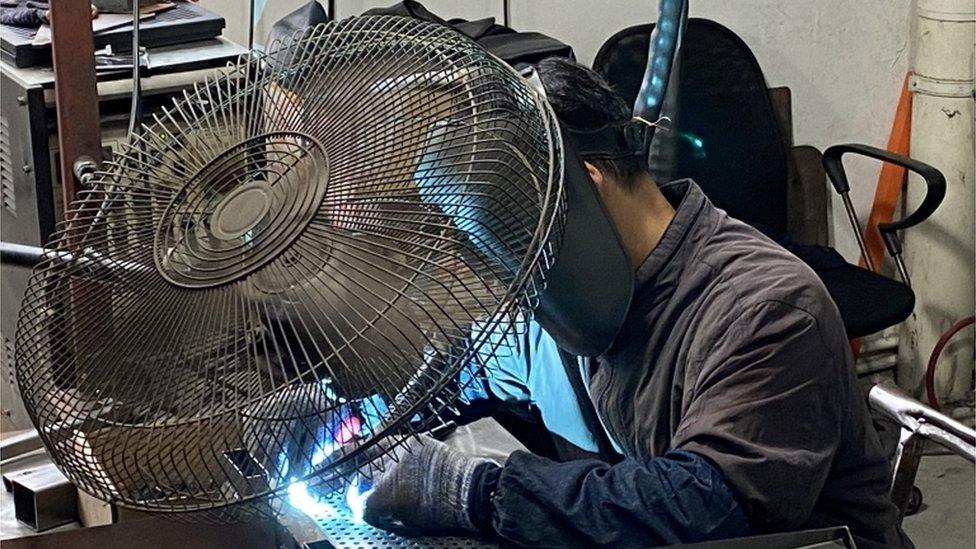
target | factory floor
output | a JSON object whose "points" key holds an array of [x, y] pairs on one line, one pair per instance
{"points": [[946, 521]]}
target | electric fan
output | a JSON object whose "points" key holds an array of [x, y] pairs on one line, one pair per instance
{"points": [[303, 252], [304, 261]]}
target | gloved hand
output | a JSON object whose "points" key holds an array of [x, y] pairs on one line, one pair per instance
{"points": [[427, 488]]}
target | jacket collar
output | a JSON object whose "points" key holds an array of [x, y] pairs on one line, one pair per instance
{"points": [[688, 201]]}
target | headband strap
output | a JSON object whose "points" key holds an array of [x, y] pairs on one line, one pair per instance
{"points": [[615, 141]]}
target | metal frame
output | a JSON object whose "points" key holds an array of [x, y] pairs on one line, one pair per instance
{"points": [[73, 51], [918, 422], [43, 497], [935, 193], [19, 444]]}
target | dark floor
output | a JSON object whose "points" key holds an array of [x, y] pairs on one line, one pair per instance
{"points": [[946, 521]]}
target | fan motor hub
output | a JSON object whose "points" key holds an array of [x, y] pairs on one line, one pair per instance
{"points": [[242, 211]]}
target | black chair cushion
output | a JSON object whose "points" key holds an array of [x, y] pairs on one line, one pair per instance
{"points": [[868, 302]]}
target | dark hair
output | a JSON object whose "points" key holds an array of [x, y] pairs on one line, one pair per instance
{"points": [[582, 99]]}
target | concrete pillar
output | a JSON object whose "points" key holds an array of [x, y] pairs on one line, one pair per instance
{"points": [[940, 252]]}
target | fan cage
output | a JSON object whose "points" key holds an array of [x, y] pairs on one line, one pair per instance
{"points": [[176, 358]]}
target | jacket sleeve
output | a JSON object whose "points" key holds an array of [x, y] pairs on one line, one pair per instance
{"points": [[679, 497], [766, 409]]}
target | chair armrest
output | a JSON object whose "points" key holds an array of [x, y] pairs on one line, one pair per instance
{"points": [[934, 180]]}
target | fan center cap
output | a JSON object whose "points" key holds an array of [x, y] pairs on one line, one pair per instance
{"points": [[241, 210]]}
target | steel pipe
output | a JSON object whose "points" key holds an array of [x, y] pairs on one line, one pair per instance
{"points": [[913, 415], [21, 255]]}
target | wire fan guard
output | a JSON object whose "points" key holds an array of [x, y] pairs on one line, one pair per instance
{"points": [[319, 245]]}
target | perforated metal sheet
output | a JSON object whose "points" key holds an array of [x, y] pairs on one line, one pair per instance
{"points": [[326, 521], [343, 532]]}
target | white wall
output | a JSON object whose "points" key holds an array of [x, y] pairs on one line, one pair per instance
{"points": [[844, 60]]}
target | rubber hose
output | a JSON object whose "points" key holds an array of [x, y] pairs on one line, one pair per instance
{"points": [[934, 358]]}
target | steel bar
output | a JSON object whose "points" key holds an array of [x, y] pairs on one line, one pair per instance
{"points": [[911, 413], [918, 422], [44, 498], [908, 455], [21, 255], [902, 269], [75, 91], [19, 443], [858, 235]]}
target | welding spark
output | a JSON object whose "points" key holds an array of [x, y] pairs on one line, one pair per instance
{"points": [[356, 496], [300, 498], [330, 438], [348, 429], [323, 450]]}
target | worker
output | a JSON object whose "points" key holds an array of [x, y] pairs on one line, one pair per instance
{"points": [[729, 392]]}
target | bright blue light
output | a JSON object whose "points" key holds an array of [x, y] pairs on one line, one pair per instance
{"points": [[373, 409], [697, 142], [326, 385], [300, 498], [356, 497], [324, 450]]}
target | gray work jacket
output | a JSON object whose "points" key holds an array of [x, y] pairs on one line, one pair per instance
{"points": [[734, 350]]}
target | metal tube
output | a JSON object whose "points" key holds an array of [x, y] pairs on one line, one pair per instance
{"points": [[918, 422], [908, 455], [20, 255], [29, 256], [914, 415], [948, 441], [902, 270], [19, 444], [44, 498], [852, 215]]}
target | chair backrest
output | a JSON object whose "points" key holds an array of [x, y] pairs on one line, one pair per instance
{"points": [[725, 133]]}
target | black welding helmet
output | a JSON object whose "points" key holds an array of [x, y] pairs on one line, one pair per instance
{"points": [[591, 283]]}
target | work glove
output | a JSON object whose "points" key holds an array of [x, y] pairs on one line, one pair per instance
{"points": [[425, 487]]}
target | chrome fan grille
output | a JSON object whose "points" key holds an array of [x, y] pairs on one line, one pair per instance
{"points": [[318, 246]]}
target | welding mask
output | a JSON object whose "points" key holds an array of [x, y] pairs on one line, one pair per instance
{"points": [[590, 286]]}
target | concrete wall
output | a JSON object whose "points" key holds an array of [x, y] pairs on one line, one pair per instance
{"points": [[844, 60]]}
